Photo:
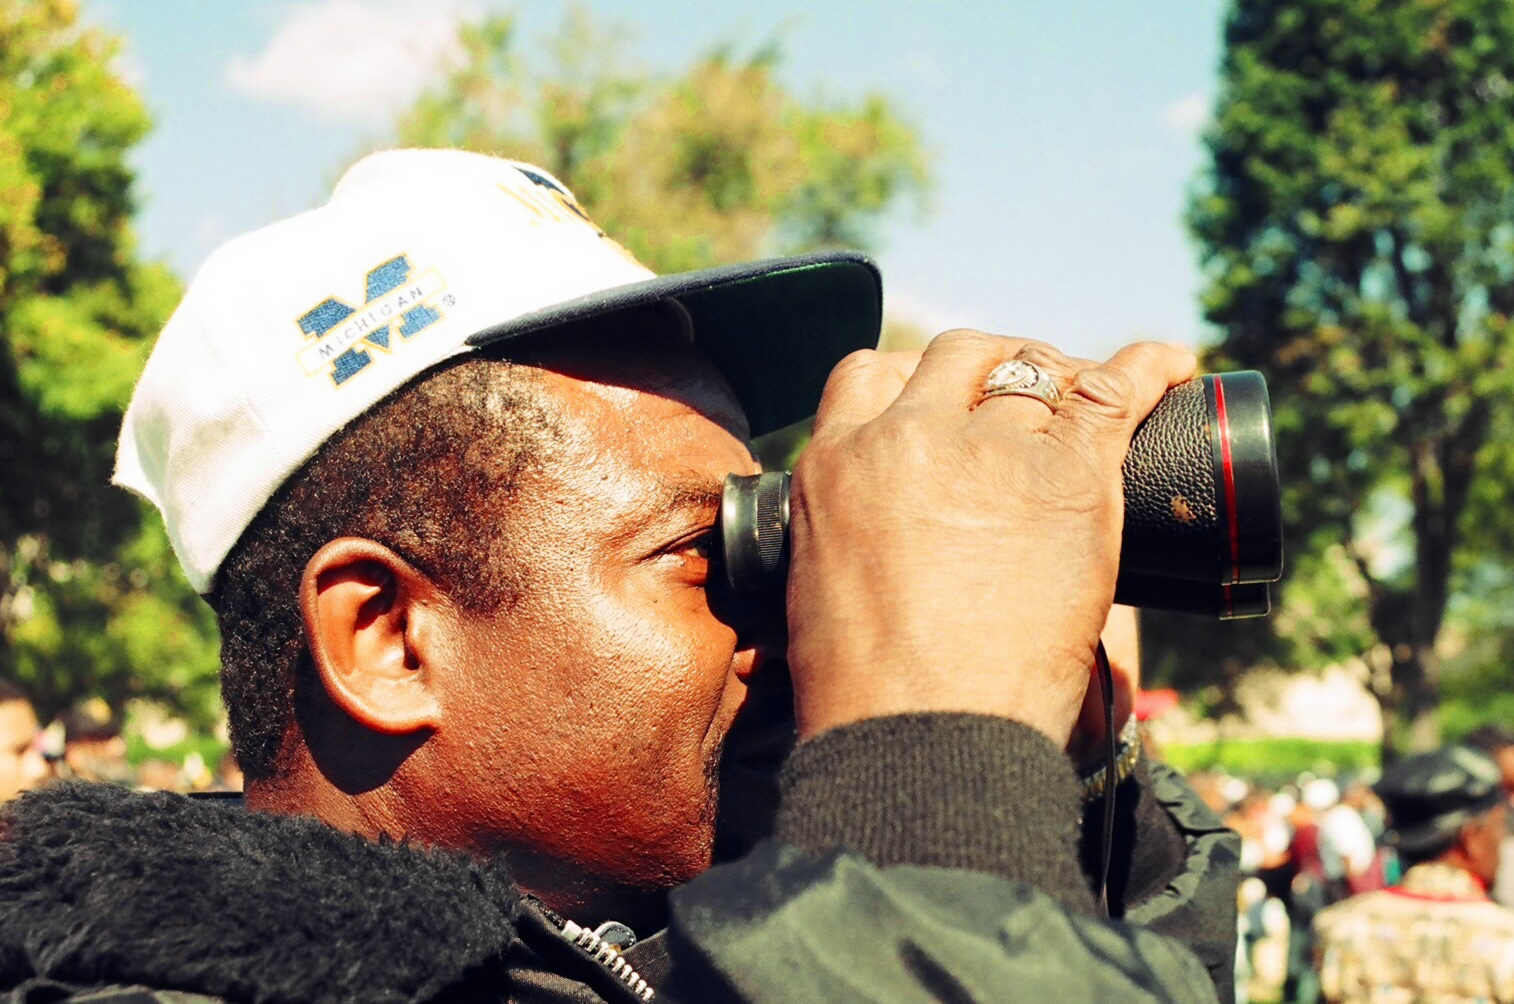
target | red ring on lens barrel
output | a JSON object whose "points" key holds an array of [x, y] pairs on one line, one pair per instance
{"points": [[1227, 465]]}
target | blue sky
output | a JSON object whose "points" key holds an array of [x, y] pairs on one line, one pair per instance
{"points": [[1063, 134]]}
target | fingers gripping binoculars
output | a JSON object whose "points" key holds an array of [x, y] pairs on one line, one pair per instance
{"points": [[1203, 520]]}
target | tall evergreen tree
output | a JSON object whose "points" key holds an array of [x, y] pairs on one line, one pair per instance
{"points": [[1356, 221]]}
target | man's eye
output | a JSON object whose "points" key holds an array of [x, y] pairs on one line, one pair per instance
{"points": [[694, 552]]}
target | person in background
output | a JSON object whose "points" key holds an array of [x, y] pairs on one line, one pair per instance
{"points": [[1436, 936], [1498, 742], [94, 749], [22, 765], [1382, 869], [1309, 890], [1346, 845]]}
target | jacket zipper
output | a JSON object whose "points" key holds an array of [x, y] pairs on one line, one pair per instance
{"points": [[609, 956]]}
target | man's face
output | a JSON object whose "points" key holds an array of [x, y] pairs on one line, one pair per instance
{"points": [[1484, 841], [21, 764], [584, 723], [1505, 759]]}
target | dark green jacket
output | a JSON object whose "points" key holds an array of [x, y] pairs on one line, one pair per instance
{"points": [[932, 857]]}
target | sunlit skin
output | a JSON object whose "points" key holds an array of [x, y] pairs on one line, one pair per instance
{"points": [[577, 731], [1477, 845], [1505, 758], [622, 683], [1122, 646], [21, 764]]}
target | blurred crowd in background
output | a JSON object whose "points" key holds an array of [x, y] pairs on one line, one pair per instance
{"points": [[89, 743], [1307, 844]]}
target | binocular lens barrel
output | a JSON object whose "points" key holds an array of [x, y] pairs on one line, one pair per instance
{"points": [[1201, 485], [754, 532], [1203, 518]]}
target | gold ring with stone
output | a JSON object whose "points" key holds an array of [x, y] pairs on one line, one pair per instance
{"points": [[1021, 378]]}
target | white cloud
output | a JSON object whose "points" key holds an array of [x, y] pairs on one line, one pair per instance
{"points": [[1188, 114], [353, 61]]}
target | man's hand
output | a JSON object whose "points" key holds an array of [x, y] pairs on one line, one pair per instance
{"points": [[956, 556], [1122, 643]]}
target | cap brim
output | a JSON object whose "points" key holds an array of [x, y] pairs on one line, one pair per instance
{"points": [[773, 327], [1420, 834]]}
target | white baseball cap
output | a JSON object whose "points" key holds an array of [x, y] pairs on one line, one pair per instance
{"points": [[290, 332]]}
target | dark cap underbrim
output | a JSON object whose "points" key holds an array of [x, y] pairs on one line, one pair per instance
{"points": [[1424, 833], [774, 328]]}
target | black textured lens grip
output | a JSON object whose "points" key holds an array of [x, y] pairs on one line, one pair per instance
{"points": [[1201, 488], [1203, 526], [1172, 515]]}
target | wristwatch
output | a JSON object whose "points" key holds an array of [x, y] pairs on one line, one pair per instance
{"points": [[1091, 786]]}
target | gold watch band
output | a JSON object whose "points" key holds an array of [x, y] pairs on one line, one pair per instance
{"points": [[1128, 753]]}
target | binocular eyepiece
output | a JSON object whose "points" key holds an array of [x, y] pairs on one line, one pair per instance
{"points": [[1203, 527]]}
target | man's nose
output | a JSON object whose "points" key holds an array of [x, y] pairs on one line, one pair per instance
{"points": [[754, 651]]}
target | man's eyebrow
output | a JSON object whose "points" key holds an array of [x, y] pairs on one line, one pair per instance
{"points": [[688, 493], [669, 497]]}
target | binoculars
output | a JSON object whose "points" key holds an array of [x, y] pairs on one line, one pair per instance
{"points": [[1203, 527]]}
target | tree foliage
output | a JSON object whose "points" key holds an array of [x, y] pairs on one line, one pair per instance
{"points": [[717, 164], [1356, 221], [91, 602]]}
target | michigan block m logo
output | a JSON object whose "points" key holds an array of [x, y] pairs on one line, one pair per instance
{"points": [[395, 300]]}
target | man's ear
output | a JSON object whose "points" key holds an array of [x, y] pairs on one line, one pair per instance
{"points": [[371, 624]]}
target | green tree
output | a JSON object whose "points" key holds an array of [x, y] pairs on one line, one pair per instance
{"points": [[1356, 221], [91, 602], [717, 164]]}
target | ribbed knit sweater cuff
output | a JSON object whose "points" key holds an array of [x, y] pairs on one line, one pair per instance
{"points": [[953, 790]]}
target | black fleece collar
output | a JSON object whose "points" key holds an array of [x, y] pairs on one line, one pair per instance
{"points": [[99, 886]]}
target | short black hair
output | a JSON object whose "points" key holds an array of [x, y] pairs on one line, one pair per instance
{"points": [[1437, 849], [1409, 857], [414, 473]]}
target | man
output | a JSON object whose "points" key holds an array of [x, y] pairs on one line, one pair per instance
{"points": [[1435, 936], [1498, 742], [21, 763], [447, 463]]}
